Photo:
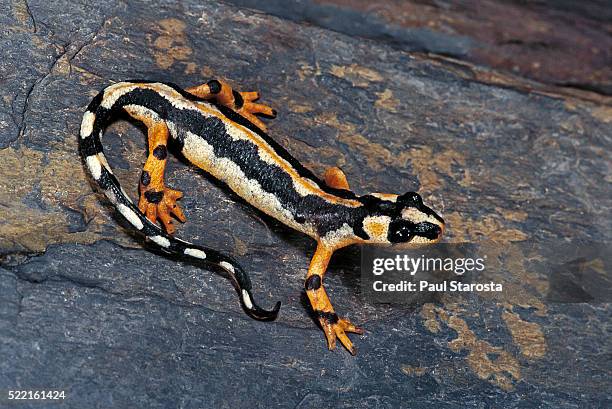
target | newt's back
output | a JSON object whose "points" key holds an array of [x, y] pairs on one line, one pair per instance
{"points": [[238, 153]]}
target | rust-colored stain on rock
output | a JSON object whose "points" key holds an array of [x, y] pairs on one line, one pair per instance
{"points": [[171, 44]]}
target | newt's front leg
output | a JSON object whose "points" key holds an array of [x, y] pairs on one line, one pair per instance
{"points": [[241, 102], [333, 327]]}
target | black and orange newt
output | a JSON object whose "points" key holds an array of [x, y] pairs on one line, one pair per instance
{"points": [[216, 129]]}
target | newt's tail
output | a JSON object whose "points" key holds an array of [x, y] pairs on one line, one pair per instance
{"points": [[95, 119]]}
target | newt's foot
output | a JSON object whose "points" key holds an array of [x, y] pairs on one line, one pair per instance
{"points": [[248, 109], [335, 328], [162, 205]]}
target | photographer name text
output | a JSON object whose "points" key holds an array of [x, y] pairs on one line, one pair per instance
{"points": [[451, 286]]}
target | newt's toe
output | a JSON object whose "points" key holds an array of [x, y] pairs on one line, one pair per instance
{"points": [[250, 109], [337, 329], [162, 206]]}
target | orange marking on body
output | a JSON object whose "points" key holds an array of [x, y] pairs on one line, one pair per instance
{"points": [[377, 229]]}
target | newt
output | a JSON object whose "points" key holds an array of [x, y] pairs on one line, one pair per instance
{"points": [[218, 130]]}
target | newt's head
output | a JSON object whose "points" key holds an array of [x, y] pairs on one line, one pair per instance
{"points": [[401, 220]]}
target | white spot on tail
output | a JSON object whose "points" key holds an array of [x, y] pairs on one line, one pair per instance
{"points": [[195, 253], [227, 266], [87, 124], [162, 241], [130, 215], [247, 299], [95, 168]]}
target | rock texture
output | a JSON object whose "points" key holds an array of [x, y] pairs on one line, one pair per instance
{"points": [[560, 43], [84, 308]]}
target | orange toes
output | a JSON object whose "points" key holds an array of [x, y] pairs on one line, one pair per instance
{"points": [[162, 206], [169, 200], [178, 213], [255, 108], [249, 109], [164, 216], [142, 205], [348, 326], [172, 194], [336, 330], [250, 96], [148, 209]]}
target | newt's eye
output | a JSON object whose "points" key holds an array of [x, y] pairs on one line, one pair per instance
{"points": [[400, 231]]}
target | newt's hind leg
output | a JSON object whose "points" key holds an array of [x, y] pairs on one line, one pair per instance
{"points": [[241, 102], [156, 200], [333, 327]]}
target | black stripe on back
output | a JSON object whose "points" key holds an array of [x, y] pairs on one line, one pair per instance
{"points": [[280, 150]]}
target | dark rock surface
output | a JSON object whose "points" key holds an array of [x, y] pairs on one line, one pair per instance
{"points": [[84, 308], [563, 43]]}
